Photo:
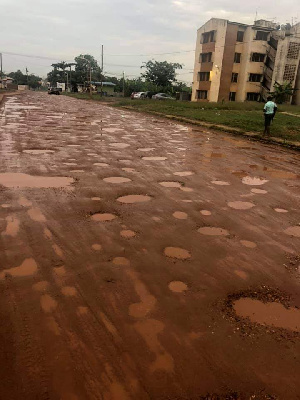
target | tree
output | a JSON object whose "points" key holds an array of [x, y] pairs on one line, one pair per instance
{"points": [[282, 92], [19, 78], [82, 69], [161, 73]]}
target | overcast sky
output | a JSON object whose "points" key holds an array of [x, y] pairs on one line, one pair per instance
{"points": [[63, 29]]}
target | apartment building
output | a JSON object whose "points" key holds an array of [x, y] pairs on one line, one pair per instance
{"points": [[239, 62]]}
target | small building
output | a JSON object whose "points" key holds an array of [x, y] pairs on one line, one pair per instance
{"points": [[107, 88], [5, 81]]}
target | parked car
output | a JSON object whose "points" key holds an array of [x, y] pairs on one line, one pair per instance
{"points": [[132, 95], [54, 90], [162, 96], [139, 95]]}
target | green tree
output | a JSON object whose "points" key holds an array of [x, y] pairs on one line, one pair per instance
{"points": [[82, 69], [161, 73], [282, 92], [19, 78]]}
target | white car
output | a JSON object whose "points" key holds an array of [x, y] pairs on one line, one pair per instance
{"points": [[139, 95]]}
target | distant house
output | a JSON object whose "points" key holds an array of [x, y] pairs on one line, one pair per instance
{"points": [[108, 88], [5, 81]]}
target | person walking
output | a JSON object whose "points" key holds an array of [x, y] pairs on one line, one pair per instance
{"points": [[270, 109]]}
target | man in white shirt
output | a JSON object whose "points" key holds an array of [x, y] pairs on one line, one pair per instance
{"points": [[270, 109]]}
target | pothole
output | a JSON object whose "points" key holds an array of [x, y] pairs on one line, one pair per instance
{"points": [[134, 198], [254, 181], [127, 234], [259, 191], [240, 205], [177, 252], [280, 210], [184, 173], [101, 164], [220, 183], [205, 212], [248, 244], [121, 261], [178, 286], [180, 215], [170, 184], [119, 145], [116, 179], [19, 180], [293, 231], [103, 217], [154, 158]]}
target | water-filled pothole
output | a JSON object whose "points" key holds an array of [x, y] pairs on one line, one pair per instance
{"points": [[116, 179], [103, 217], [170, 184], [213, 231], [154, 158], [19, 180], [254, 181], [240, 205], [134, 198], [177, 252]]}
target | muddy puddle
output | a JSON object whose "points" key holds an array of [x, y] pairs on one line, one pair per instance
{"points": [[12, 227], [19, 180], [183, 173], [177, 252], [220, 183], [275, 173], [170, 184], [119, 145], [127, 234], [27, 268], [240, 205], [272, 314], [116, 179], [248, 244], [177, 286], [293, 231], [254, 181], [134, 198], [103, 217], [259, 191], [154, 158], [180, 215], [205, 212]]}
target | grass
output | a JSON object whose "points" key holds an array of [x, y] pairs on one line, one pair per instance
{"points": [[248, 116]]}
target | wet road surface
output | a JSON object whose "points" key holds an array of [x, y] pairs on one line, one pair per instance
{"points": [[121, 235]]}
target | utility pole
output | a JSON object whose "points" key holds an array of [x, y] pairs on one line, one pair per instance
{"points": [[123, 83], [102, 70], [90, 79], [1, 67], [27, 77]]}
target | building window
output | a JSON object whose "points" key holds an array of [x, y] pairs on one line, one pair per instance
{"points": [[208, 37], [258, 57], [205, 57], [237, 57], [234, 77], [266, 83], [293, 51], [255, 77], [251, 96], [232, 96], [201, 94], [273, 43], [289, 72], [240, 36], [203, 76], [269, 63], [262, 35]]}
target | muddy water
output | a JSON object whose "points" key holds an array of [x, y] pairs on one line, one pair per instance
{"points": [[127, 234], [248, 244], [19, 180], [170, 184], [177, 286], [27, 268], [293, 231], [97, 247], [254, 181], [38, 151], [48, 304], [205, 212], [240, 205], [221, 183], [36, 215], [154, 158], [134, 198], [12, 227], [180, 215], [273, 314], [183, 173], [116, 179], [103, 217], [177, 252], [259, 191]]}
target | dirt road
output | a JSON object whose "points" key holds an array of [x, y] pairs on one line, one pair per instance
{"points": [[132, 251]]}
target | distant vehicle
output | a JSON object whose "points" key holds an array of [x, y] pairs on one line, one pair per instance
{"points": [[54, 90], [162, 96], [139, 95], [132, 95]]}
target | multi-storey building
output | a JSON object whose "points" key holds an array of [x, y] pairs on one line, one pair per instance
{"points": [[239, 62]]}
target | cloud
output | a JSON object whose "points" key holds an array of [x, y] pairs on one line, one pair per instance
{"points": [[64, 29]]}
